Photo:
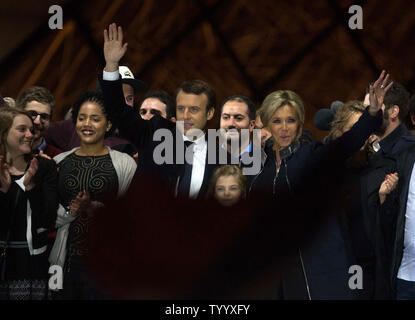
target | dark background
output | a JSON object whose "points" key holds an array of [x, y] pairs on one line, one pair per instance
{"points": [[240, 46]]}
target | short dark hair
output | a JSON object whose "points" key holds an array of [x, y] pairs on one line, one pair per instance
{"points": [[93, 97], [165, 98], [399, 96], [198, 87], [242, 99], [35, 93]]}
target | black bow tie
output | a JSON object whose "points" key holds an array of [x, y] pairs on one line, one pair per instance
{"points": [[188, 143]]}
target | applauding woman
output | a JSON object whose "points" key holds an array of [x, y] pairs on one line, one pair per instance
{"points": [[88, 175], [28, 204]]}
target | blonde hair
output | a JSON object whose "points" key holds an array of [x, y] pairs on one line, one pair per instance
{"points": [[343, 115], [278, 99], [224, 171], [10, 102]]}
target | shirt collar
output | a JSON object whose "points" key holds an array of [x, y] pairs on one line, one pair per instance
{"points": [[42, 145], [247, 149], [199, 141], [389, 141]]}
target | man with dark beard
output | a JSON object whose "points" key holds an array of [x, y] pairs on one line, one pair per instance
{"points": [[237, 119], [392, 138], [395, 109]]}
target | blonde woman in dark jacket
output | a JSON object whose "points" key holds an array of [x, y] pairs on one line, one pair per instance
{"points": [[290, 172]]}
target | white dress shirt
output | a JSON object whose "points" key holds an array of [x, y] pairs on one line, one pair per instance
{"points": [[199, 151], [407, 267], [110, 76]]}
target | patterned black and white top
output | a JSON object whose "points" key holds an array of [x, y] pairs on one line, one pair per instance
{"points": [[95, 174]]}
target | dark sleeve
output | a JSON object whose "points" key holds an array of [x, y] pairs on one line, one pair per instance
{"points": [[131, 126], [388, 213], [5, 209], [351, 141], [43, 197]]}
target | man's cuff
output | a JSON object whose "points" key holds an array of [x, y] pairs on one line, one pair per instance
{"points": [[111, 76]]}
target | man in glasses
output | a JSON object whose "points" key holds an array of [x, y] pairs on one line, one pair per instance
{"points": [[39, 103]]}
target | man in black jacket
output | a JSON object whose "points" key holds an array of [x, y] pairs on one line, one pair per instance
{"points": [[392, 139], [397, 215], [160, 143]]}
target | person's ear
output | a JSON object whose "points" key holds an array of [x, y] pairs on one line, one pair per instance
{"points": [[210, 113], [412, 119], [251, 125], [394, 112]]}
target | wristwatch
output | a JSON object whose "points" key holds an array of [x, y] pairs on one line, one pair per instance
{"points": [[68, 211]]}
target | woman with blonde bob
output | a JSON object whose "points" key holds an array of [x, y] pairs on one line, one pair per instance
{"points": [[292, 175], [227, 185]]}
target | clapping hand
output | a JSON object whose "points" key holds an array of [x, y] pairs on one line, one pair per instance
{"points": [[387, 186], [377, 92], [114, 49], [80, 203], [5, 179], [44, 155], [29, 177]]}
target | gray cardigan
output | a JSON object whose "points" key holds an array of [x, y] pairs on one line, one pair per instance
{"points": [[125, 167]]}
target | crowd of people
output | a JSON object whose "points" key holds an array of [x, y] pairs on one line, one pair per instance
{"points": [[346, 201]]}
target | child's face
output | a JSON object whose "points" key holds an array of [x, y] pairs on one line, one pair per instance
{"points": [[227, 190]]}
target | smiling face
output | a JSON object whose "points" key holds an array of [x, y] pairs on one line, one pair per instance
{"points": [[235, 117], [20, 137], [92, 123], [191, 109], [227, 190], [284, 126], [41, 113]]}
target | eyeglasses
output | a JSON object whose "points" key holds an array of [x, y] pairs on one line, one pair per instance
{"points": [[43, 116]]}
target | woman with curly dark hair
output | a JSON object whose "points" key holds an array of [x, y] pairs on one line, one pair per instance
{"points": [[88, 176]]}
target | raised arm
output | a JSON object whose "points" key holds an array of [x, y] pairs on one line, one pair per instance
{"points": [[377, 92], [351, 141], [131, 126], [114, 49]]}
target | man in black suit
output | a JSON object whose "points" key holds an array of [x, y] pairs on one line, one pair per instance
{"points": [[163, 145], [391, 139], [398, 216]]}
